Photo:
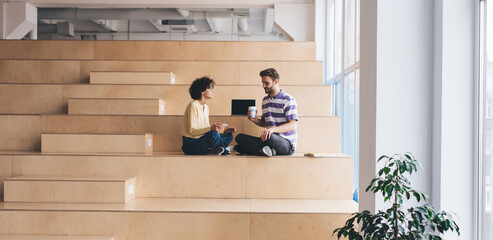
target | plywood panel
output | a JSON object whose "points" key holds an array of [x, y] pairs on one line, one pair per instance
{"points": [[124, 225], [311, 100], [116, 106], [170, 50], [166, 130], [46, 49], [96, 143], [168, 176], [132, 77], [51, 237], [291, 73], [315, 134], [35, 71], [223, 72], [30, 99], [5, 170], [20, 133], [300, 177], [295, 226], [272, 51], [64, 189], [185, 71]]}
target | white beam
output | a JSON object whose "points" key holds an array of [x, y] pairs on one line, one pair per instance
{"points": [[2, 20], [215, 27], [20, 18], [299, 28], [162, 4], [268, 20]]}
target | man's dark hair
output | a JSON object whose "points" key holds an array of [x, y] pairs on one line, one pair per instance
{"points": [[270, 72], [198, 86]]}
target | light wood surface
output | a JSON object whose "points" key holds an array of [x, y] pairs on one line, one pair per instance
{"points": [[166, 130], [51, 237], [207, 176], [46, 49], [175, 225], [96, 143], [116, 106], [132, 78], [63, 189]]}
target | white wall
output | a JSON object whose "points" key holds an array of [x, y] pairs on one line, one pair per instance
{"points": [[417, 96], [2, 21], [453, 174], [296, 20]]}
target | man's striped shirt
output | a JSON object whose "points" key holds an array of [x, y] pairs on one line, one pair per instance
{"points": [[279, 110]]}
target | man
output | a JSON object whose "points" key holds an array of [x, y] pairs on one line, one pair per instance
{"points": [[279, 117], [199, 136]]}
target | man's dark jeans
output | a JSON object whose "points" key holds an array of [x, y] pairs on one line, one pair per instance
{"points": [[251, 145], [211, 139]]}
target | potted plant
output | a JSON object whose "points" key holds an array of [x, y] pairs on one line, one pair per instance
{"points": [[421, 222]]}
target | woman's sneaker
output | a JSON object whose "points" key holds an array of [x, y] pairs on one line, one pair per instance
{"points": [[268, 151], [218, 151]]}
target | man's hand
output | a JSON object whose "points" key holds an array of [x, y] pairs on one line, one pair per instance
{"points": [[230, 130], [266, 134], [254, 120], [217, 127]]}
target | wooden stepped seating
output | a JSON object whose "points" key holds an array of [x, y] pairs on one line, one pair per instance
{"points": [[202, 205], [105, 106], [53, 99], [23, 133], [96, 143], [224, 72], [153, 78], [157, 50], [153, 219], [51, 237], [180, 176], [69, 189]]}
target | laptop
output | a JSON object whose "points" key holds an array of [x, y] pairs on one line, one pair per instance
{"points": [[240, 106]]}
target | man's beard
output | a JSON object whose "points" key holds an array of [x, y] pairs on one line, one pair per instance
{"points": [[268, 90]]}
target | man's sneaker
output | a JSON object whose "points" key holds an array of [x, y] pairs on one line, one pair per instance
{"points": [[218, 151], [269, 152]]}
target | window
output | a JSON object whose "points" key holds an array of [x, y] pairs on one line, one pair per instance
{"points": [[342, 71]]}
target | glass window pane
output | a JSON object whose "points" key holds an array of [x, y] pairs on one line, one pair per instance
{"points": [[349, 32], [349, 115], [338, 37], [487, 133], [357, 28]]}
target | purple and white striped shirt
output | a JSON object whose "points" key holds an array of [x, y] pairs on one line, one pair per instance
{"points": [[279, 110]]}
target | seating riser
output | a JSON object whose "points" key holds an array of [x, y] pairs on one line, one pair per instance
{"points": [[96, 143], [69, 191], [151, 107], [53, 99], [156, 50], [207, 176], [158, 226], [223, 72], [23, 133]]}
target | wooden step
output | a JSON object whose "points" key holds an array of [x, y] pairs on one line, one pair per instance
{"points": [[23, 132], [171, 219], [69, 189], [158, 78], [53, 99], [315, 134], [96, 143], [51, 237], [224, 72], [156, 50], [207, 176], [102, 106]]}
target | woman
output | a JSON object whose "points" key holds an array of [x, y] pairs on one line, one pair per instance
{"points": [[199, 136]]}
